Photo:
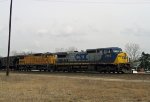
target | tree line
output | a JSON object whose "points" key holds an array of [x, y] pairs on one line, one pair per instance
{"points": [[138, 59]]}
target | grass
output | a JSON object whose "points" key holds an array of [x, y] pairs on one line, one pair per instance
{"points": [[54, 88]]}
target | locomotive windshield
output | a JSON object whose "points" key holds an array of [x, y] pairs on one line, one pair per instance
{"points": [[117, 50]]}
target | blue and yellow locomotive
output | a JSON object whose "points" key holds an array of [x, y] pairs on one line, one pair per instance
{"points": [[110, 59]]}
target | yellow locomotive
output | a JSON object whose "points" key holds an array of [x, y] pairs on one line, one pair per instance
{"points": [[37, 61]]}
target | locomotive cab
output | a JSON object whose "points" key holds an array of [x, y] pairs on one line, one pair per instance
{"points": [[109, 55], [116, 55]]}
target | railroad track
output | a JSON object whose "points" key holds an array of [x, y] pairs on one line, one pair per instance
{"points": [[88, 74]]}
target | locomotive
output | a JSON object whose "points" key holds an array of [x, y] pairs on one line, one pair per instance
{"points": [[103, 60]]}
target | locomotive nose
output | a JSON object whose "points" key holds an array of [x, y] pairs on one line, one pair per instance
{"points": [[121, 58]]}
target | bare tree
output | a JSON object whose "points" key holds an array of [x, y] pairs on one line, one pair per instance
{"points": [[60, 50], [15, 53], [69, 49], [133, 51], [25, 53]]}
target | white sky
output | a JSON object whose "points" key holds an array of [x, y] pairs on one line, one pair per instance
{"points": [[44, 25]]}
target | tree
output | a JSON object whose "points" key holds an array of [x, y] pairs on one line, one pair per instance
{"points": [[145, 61], [60, 50], [133, 51], [69, 49], [15, 53]]}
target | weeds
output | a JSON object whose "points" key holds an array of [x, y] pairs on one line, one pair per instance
{"points": [[50, 88]]}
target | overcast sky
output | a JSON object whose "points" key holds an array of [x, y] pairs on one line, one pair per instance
{"points": [[44, 25]]}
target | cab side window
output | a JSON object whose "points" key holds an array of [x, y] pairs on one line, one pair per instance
{"points": [[101, 52], [107, 51]]}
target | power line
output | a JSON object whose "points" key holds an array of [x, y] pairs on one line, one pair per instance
{"points": [[3, 1], [95, 2], [92, 2]]}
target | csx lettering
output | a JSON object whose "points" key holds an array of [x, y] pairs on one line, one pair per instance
{"points": [[81, 57]]}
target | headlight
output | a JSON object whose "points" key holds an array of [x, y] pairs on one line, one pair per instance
{"points": [[124, 57]]}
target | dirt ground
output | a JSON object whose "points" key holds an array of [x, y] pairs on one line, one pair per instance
{"points": [[74, 88]]}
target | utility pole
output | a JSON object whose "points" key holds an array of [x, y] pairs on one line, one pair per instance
{"points": [[10, 16]]}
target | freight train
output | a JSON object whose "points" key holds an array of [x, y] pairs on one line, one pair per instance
{"points": [[103, 60]]}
